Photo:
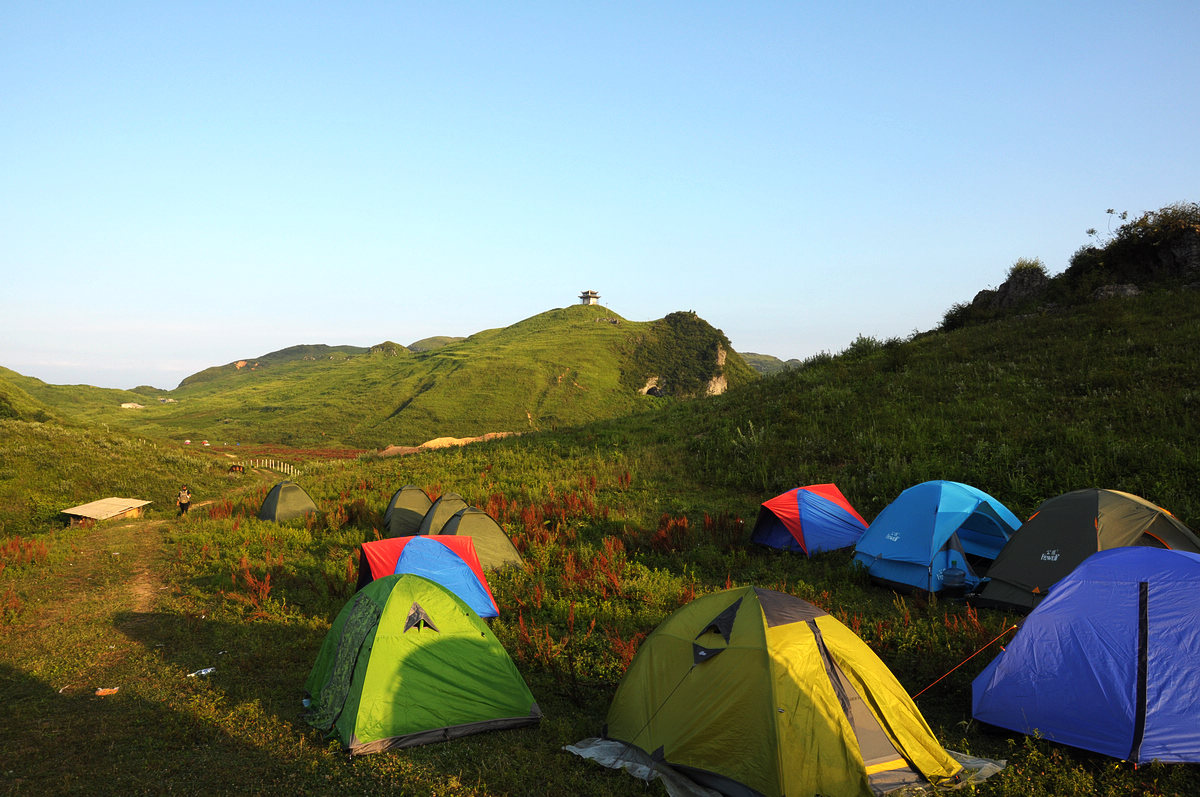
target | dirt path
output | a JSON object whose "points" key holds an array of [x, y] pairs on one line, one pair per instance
{"points": [[76, 617]]}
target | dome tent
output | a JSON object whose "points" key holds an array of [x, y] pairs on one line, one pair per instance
{"points": [[405, 511], [1108, 662], [450, 561], [933, 527], [808, 519], [750, 692], [492, 545], [286, 501], [408, 663], [439, 512], [432, 558], [1067, 529]]}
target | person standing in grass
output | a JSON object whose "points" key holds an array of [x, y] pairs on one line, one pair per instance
{"points": [[184, 500]]}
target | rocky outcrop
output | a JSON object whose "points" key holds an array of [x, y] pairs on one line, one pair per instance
{"points": [[1113, 291], [1022, 285]]}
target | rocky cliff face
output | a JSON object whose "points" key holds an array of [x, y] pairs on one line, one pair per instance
{"points": [[718, 384], [1024, 284]]}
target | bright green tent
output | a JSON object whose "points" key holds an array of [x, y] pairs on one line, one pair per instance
{"points": [[755, 692], [286, 501], [405, 511], [408, 663], [492, 545], [442, 510]]}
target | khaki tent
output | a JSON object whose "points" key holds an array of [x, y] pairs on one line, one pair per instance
{"points": [[286, 501], [441, 511], [405, 511], [1068, 529], [755, 692], [492, 545]]}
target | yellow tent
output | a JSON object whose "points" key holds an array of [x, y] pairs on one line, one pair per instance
{"points": [[751, 691]]}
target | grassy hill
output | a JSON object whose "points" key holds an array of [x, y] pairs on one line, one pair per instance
{"points": [[768, 363], [560, 368], [620, 521]]}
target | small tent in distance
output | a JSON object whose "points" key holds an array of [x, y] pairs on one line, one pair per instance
{"points": [[407, 663], [441, 510], [808, 519], [405, 511], [286, 501], [1108, 662], [931, 528], [806, 705], [1067, 529], [493, 546]]}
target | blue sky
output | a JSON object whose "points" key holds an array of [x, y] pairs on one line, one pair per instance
{"points": [[188, 184]]}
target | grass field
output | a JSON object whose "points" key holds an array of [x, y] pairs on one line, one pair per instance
{"points": [[620, 522]]}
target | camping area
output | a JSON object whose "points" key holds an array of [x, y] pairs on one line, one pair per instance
{"points": [[534, 399], [168, 653]]}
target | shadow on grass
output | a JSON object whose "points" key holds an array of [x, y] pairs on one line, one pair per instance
{"points": [[261, 662], [131, 742]]}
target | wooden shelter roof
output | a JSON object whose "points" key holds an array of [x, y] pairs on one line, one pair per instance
{"points": [[105, 508]]}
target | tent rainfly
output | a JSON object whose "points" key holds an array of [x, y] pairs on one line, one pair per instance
{"points": [[809, 520], [1069, 528], [405, 511], [286, 501], [442, 510], [754, 692], [1108, 662], [407, 663]]}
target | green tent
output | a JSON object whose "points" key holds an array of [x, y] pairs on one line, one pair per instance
{"points": [[442, 510], [407, 663], [755, 692], [1069, 528], [492, 545], [405, 511], [286, 501]]}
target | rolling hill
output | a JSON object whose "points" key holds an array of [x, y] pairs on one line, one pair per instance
{"points": [[560, 368]]}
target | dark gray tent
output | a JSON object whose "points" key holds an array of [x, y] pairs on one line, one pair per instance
{"points": [[1067, 530], [405, 511], [442, 510], [492, 545], [286, 501]]}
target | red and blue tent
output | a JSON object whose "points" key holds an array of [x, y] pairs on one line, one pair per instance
{"points": [[449, 561], [1108, 662], [808, 519]]}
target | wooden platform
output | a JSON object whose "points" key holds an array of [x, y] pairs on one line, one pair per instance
{"points": [[106, 509]]}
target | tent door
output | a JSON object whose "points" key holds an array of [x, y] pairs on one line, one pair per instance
{"points": [[886, 768]]}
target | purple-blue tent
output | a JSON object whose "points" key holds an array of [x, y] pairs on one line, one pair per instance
{"points": [[1108, 662]]}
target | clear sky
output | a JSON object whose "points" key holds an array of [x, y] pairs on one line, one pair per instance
{"points": [[187, 184]]}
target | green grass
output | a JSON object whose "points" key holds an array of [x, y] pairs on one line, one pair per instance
{"points": [[620, 521], [560, 368]]}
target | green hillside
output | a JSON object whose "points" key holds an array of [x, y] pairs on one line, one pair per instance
{"points": [[560, 368], [768, 363], [292, 354], [620, 521]]}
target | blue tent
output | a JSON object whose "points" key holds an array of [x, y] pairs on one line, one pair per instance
{"points": [[428, 557], [1109, 661], [930, 528], [808, 519]]}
